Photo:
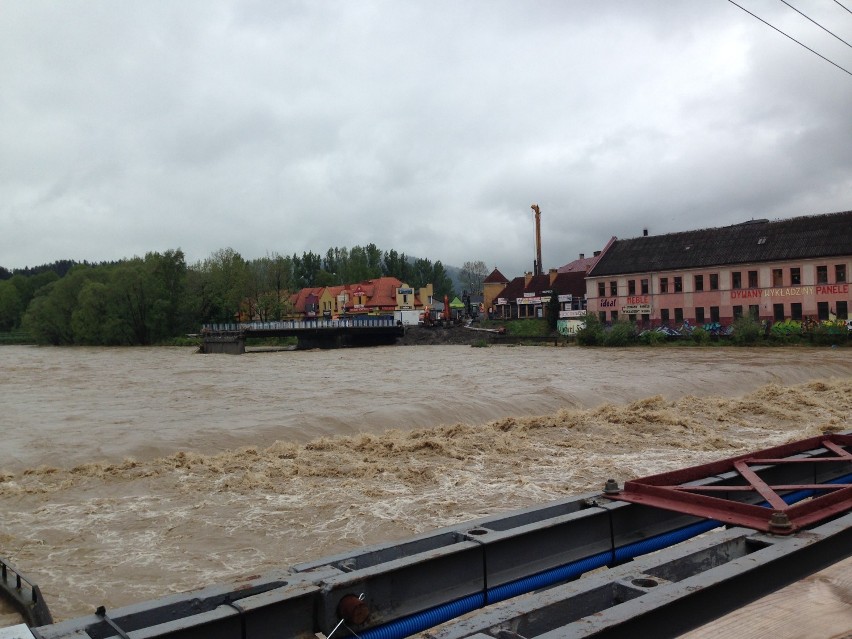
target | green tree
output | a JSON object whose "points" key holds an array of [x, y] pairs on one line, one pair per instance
{"points": [[89, 317], [553, 310], [228, 284], [11, 306], [306, 269], [48, 317], [443, 285], [397, 265]]}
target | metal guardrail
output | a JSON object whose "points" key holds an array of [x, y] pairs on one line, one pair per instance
{"points": [[308, 324], [24, 595]]}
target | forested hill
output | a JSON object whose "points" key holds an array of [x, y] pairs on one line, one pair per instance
{"points": [[60, 267]]}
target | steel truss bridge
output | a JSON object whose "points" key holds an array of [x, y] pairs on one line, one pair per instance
{"points": [[311, 333]]}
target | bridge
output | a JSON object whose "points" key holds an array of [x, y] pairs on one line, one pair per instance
{"points": [[311, 333]]}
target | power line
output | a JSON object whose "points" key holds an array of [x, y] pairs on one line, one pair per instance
{"points": [[791, 38], [844, 6], [816, 23]]}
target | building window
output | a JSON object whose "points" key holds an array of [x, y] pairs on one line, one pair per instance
{"points": [[839, 273], [644, 285], [777, 277], [754, 311], [714, 314], [736, 279], [699, 314], [796, 311], [664, 315], [752, 279], [822, 275], [778, 312], [613, 315], [664, 285], [795, 276], [602, 316], [822, 310], [738, 312], [631, 287], [601, 289], [613, 288], [646, 317], [842, 310], [714, 281], [699, 282], [632, 318], [678, 315], [678, 284]]}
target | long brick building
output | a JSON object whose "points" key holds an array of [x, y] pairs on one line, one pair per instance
{"points": [[787, 269]]}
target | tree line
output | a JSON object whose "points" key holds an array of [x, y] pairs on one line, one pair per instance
{"points": [[155, 298]]}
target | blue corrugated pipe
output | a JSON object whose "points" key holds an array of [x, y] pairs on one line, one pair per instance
{"points": [[418, 622], [426, 619]]}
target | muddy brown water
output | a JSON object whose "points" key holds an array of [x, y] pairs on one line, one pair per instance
{"points": [[128, 474]]}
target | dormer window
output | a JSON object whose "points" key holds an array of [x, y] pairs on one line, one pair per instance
{"points": [[762, 240]]}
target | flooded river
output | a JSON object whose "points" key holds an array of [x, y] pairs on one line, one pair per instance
{"points": [[127, 474]]}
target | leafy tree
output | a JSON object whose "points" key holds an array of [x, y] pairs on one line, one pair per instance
{"points": [[88, 319], [11, 306], [305, 269], [443, 285], [374, 260], [422, 272], [473, 274], [553, 310], [48, 317], [228, 283], [397, 265]]}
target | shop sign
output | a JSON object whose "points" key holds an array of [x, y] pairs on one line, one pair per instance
{"points": [[745, 294], [529, 295], [566, 298], [502, 300], [529, 300], [608, 303], [569, 314], [636, 309], [569, 326], [828, 289], [405, 291]]}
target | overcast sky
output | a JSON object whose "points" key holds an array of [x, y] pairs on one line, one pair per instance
{"points": [[428, 127]]}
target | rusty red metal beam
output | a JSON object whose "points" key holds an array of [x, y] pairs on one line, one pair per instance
{"points": [[677, 491]]}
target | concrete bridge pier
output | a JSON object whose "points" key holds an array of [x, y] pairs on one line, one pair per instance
{"points": [[230, 344]]}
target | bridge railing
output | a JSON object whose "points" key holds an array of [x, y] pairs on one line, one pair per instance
{"points": [[374, 321]]}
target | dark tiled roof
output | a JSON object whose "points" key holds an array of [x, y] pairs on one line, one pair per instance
{"points": [[757, 241], [495, 277], [564, 284]]}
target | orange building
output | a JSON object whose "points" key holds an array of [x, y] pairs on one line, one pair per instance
{"points": [[375, 296]]}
